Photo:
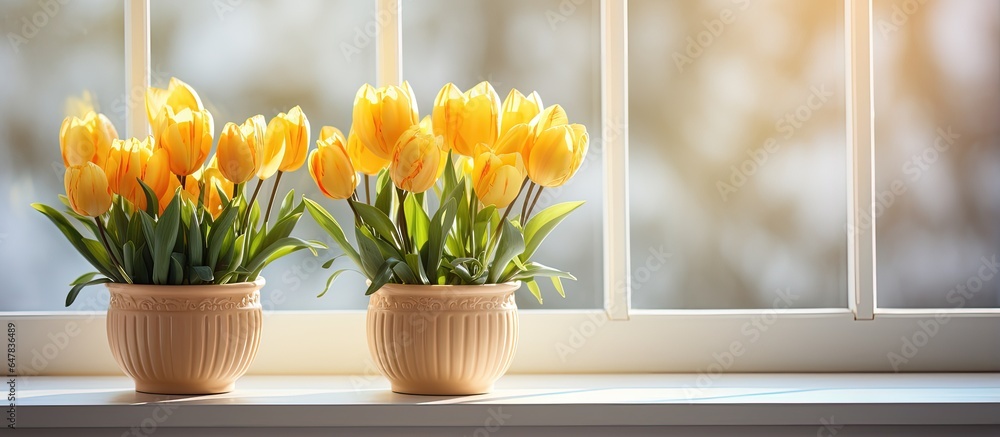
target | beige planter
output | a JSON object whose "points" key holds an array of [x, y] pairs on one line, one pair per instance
{"points": [[443, 339], [185, 339]]}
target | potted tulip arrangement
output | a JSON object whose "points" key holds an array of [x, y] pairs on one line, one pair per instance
{"points": [[443, 268], [178, 243]]}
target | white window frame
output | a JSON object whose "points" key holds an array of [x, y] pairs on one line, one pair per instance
{"points": [[860, 338]]}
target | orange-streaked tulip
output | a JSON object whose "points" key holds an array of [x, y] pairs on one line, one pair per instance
{"points": [[480, 119], [296, 139], [497, 179], [187, 136], [381, 115], [552, 116], [331, 168], [177, 96], [87, 189], [327, 132], [447, 114], [212, 180], [86, 140], [158, 177], [555, 156], [241, 149], [363, 159], [518, 109], [274, 147], [417, 160], [126, 166]]}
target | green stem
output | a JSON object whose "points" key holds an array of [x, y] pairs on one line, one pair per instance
{"points": [[401, 221], [495, 238], [253, 198], [183, 180], [368, 190], [533, 202], [111, 254], [524, 206], [270, 202]]}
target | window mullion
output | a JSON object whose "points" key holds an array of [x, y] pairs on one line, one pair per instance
{"points": [[389, 42], [614, 118], [136, 66], [861, 158]]}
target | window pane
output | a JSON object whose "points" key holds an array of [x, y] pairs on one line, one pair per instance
{"points": [[51, 51], [737, 160], [264, 57], [552, 47], [937, 102]]}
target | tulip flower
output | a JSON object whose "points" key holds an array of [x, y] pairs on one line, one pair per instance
{"points": [[555, 156], [363, 159], [87, 189], [158, 177], [126, 166], [417, 160], [241, 149], [331, 168], [518, 109], [177, 96], [381, 115], [187, 136], [552, 116], [497, 179], [296, 139], [480, 122], [86, 140], [447, 114], [214, 181], [274, 148], [514, 140]]}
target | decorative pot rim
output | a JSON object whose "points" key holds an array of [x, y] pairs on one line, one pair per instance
{"points": [[187, 291], [447, 290]]}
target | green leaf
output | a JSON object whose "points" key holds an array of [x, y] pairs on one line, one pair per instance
{"points": [[332, 228], [511, 244], [73, 292], [559, 286], [97, 258], [195, 245], [282, 228], [330, 261], [217, 234], [175, 276], [278, 249], [539, 226], [403, 271], [332, 278], [84, 278], [535, 291], [384, 193], [164, 238], [371, 256], [118, 223], [417, 222], [413, 261], [379, 222], [287, 204], [152, 203], [204, 273], [381, 278], [438, 230], [533, 269], [128, 256]]}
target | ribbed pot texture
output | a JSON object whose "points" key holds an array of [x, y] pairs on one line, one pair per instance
{"points": [[185, 339], [443, 339]]}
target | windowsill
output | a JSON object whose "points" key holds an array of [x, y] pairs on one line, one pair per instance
{"points": [[527, 400]]}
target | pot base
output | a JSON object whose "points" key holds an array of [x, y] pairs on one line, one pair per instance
{"points": [[442, 390], [186, 388]]}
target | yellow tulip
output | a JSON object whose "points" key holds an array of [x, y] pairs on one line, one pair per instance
{"points": [[274, 148], [213, 180], [381, 115], [296, 139], [417, 160], [126, 166], [447, 114], [480, 123], [331, 168], [187, 136], [327, 132], [363, 159], [497, 179], [158, 177], [177, 96], [555, 156], [552, 116], [518, 109], [514, 140], [87, 189], [241, 149], [86, 140]]}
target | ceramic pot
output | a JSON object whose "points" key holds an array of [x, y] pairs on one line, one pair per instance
{"points": [[184, 339], [443, 339]]}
